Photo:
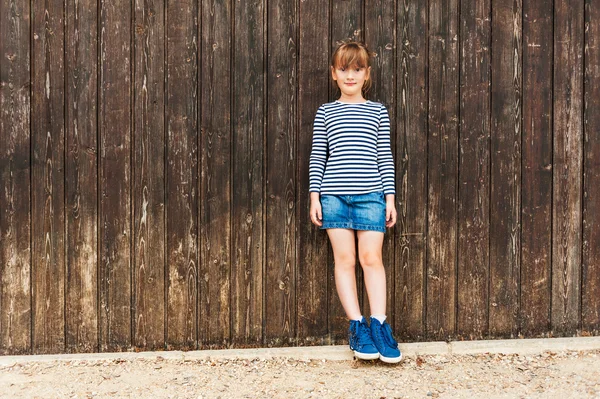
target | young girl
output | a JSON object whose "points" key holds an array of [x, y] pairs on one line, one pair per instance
{"points": [[351, 179]]}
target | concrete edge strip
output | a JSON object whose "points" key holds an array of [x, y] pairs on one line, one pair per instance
{"points": [[528, 346]]}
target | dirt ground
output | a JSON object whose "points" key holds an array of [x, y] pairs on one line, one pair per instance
{"points": [[546, 375]]}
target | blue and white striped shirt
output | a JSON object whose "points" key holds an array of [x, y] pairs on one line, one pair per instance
{"points": [[351, 151]]}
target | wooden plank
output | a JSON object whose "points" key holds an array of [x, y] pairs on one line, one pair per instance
{"points": [[591, 189], [473, 203], [380, 32], [15, 225], [81, 174], [148, 195], [311, 242], [247, 177], [115, 176], [536, 173], [442, 167], [282, 81], [505, 158], [567, 179], [346, 23], [182, 175], [48, 179], [408, 113], [214, 321]]}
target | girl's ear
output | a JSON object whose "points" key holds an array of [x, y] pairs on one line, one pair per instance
{"points": [[333, 74]]}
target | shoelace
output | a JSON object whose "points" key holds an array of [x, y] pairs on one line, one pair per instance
{"points": [[385, 334], [363, 335]]}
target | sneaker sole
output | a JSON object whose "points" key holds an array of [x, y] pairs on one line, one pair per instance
{"points": [[390, 359], [366, 356]]}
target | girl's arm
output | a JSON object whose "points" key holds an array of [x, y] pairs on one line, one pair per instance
{"points": [[385, 160], [318, 154]]}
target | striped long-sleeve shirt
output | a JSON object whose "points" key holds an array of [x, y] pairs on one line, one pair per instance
{"points": [[351, 151]]}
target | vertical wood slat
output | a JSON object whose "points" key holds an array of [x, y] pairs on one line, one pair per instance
{"points": [[474, 177], [567, 178], [505, 159], [114, 126], [346, 25], [591, 206], [442, 169], [182, 175], [536, 173], [81, 175], [282, 81], [247, 178], [215, 178], [47, 184], [148, 186], [380, 31], [15, 224], [47, 136], [215, 213], [408, 280], [311, 242]]}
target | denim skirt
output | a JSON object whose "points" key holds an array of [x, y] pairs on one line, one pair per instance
{"points": [[357, 212]]}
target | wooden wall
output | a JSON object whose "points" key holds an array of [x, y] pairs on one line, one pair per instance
{"points": [[154, 170]]}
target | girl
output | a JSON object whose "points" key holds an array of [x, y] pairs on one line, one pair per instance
{"points": [[351, 179]]}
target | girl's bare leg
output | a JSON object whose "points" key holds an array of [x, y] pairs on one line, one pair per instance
{"points": [[344, 253], [370, 244]]}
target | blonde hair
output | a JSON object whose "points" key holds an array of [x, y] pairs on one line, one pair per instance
{"points": [[353, 53]]}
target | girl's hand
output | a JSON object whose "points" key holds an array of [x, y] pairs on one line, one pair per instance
{"points": [[315, 210], [390, 211]]}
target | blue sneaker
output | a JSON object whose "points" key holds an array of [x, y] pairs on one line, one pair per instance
{"points": [[385, 342], [361, 343]]}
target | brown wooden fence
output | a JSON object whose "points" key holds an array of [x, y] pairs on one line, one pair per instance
{"points": [[154, 170]]}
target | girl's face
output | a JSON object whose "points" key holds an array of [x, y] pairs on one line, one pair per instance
{"points": [[351, 79]]}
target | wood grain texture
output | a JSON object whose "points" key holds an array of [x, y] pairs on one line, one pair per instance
{"points": [[182, 175], [474, 176], [247, 204], [214, 317], [313, 268], [348, 24], [505, 160], [409, 115], [15, 184], [567, 158], [590, 285], [154, 171], [442, 169], [280, 289], [114, 132], [48, 176], [81, 176], [536, 173], [148, 186]]}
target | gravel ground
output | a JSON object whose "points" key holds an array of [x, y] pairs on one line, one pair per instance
{"points": [[546, 375]]}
